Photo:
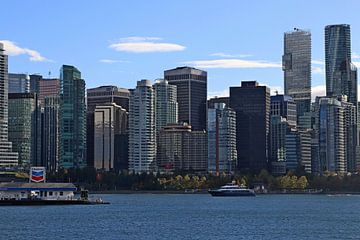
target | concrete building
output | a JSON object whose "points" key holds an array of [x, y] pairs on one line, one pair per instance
{"points": [[251, 103], [72, 118], [100, 96], [19, 83], [222, 154], [8, 158], [142, 145], [297, 68], [166, 106], [191, 86], [110, 121], [181, 149]]}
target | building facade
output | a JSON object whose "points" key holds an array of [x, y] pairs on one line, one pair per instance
{"points": [[166, 106], [142, 143], [191, 86], [8, 158], [51, 133], [297, 68], [181, 149], [100, 96], [110, 121], [222, 154], [19, 83], [331, 133], [24, 116], [251, 103], [72, 118]]}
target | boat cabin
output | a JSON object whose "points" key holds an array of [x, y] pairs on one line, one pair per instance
{"points": [[36, 191]]}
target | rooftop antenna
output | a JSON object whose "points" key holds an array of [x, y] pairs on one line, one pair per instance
{"points": [[49, 73]]}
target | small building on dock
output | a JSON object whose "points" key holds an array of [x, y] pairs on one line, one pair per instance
{"points": [[40, 191]]}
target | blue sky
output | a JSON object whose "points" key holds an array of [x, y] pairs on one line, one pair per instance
{"points": [[120, 42]]}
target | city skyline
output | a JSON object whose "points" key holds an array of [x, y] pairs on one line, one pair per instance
{"points": [[125, 49]]}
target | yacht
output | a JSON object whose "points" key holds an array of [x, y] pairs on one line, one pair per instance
{"points": [[232, 190]]}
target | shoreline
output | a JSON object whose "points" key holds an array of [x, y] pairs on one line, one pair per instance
{"points": [[206, 192]]}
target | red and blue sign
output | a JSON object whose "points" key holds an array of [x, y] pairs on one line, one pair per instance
{"points": [[37, 174]]}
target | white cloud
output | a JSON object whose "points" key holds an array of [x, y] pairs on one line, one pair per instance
{"points": [[233, 63], [318, 62], [319, 90], [225, 55], [145, 45], [318, 70], [112, 61], [357, 64], [221, 93], [13, 50], [139, 39], [355, 55]]}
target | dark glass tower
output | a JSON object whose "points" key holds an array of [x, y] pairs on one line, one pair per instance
{"points": [[251, 103], [191, 94], [72, 118], [341, 74], [297, 68]]}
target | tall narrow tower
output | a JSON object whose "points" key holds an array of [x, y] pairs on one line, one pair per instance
{"points": [[297, 68], [7, 157]]}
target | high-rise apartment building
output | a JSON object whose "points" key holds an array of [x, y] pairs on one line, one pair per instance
{"points": [[110, 122], [142, 145], [181, 149], [331, 132], [222, 155], [251, 103], [297, 68], [191, 86], [24, 117], [19, 83], [72, 118], [100, 96], [8, 158], [166, 106]]}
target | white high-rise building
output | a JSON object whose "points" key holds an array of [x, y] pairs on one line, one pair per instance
{"points": [[142, 144], [7, 157]]}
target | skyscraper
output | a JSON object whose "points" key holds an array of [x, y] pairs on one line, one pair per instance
{"points": [[19, 83], [142, 145], [110, 121], [7, 157], [72, 118], [251, 103], [341, 74], [297, 68], [24, 117], [331, 132], [166, 106], [100, 96], [222, 155], [191, 86], [51, 133]]}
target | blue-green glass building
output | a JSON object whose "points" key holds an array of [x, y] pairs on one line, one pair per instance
{"points": [[72, 118]]}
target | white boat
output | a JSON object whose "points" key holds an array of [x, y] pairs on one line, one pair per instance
{"points": [[232, 190]]}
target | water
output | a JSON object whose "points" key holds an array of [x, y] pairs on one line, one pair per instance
{"points": [[192, 216]]}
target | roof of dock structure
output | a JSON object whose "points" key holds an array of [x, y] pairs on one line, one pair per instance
{"points": [[21, 186]]}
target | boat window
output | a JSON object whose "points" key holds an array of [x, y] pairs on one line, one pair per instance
{"points": [[50, 193], [45, 194], [61, 193]]}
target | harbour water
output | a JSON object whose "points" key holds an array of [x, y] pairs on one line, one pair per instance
{"points": [[189, 216]]}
